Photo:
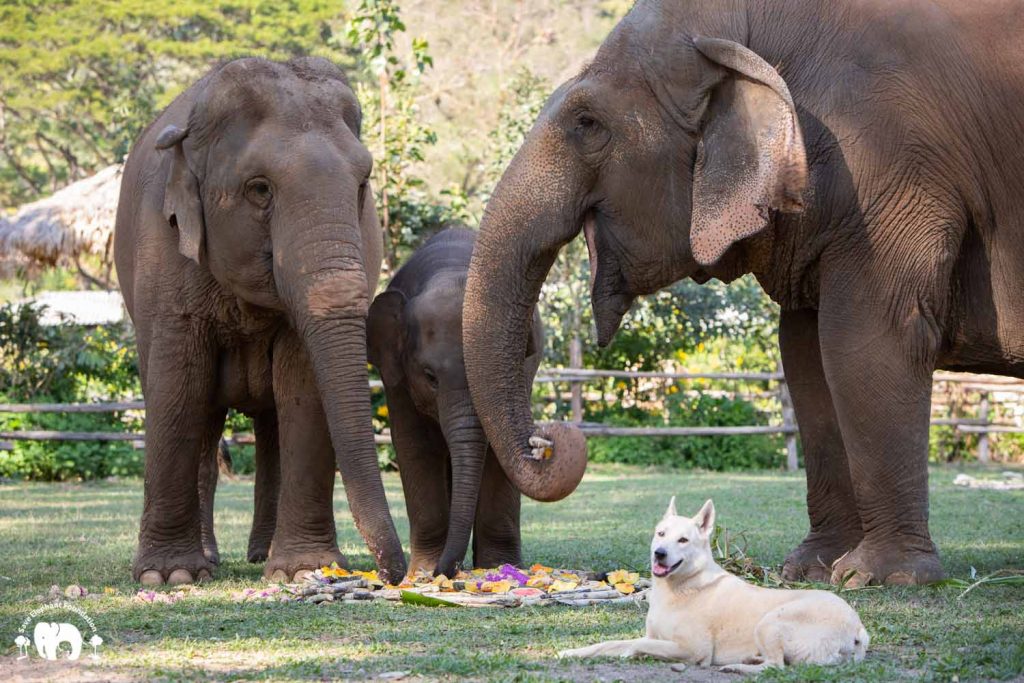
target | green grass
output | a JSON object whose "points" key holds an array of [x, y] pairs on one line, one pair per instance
{"points": [[85, 534]]}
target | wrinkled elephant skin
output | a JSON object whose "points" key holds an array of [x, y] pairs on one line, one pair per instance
{"points": [[248, 249], [864, 164]]}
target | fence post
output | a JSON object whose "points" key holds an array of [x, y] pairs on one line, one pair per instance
{"points": [[983, 452], [575, 363], [789, 421]]}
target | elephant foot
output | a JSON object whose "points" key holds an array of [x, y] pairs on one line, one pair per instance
{"points": [[257, 555], [211, 553], [286, 567], [426, 561], [912, 562], [173, 569], [259, 550], [812, 560]]}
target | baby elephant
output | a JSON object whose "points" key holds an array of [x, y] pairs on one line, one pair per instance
{"points": [[453, 483]]}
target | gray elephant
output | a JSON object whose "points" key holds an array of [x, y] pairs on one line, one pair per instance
{"points": [[862, 160], [247, 249], [48, 637], [265, 509], [453, 483]]}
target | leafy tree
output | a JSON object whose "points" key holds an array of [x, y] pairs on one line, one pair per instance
{"points": [[80, 78], [392, 125]]}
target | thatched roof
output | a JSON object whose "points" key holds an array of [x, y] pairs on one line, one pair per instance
{"points": [[75, 220]]}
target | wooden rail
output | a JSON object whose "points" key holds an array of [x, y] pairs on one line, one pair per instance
{"points": [[576, 378]]}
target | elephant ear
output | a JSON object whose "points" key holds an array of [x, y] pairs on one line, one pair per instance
{"points": [[183, 207], [385, 335], [750, 158]]}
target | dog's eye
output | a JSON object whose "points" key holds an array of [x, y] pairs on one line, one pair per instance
{"points": [[684, 540], [661, 533]]}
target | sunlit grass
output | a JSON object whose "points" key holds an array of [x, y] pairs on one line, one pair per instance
{"points": [[85, 533]]}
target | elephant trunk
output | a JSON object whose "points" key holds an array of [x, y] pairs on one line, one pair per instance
{"points": [[324, 286], [468, 447], [520, 236]]}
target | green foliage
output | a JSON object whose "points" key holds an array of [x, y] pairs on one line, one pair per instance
{"points": [[683, 409], [66, 364], [80, 78], [392, 126]]}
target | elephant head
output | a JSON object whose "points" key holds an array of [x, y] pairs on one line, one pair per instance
{"points": [[48, 636], [417, 342], [267, 189], [669, 148]]}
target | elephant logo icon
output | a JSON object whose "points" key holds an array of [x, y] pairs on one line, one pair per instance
{"points": [[48, 637], [54, 636]]}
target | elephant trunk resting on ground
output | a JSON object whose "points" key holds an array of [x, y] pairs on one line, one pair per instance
{"points": [[862, 160], [248, 248], [453, 483]]}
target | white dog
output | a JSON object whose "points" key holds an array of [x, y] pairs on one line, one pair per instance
{"points": [[701, 614]]}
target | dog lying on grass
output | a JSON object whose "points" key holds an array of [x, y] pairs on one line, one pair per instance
{"points": [[701, 614]]}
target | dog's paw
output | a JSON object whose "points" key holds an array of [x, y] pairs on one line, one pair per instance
{"points": [[566, 654]]}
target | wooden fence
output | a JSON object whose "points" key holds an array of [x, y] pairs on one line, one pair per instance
{"points": [[964, 387]]}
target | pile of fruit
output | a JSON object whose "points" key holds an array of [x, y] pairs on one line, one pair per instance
{"points": [[504, 586]]}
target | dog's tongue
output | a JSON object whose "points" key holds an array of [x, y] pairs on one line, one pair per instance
{"points": [[658, 569]]}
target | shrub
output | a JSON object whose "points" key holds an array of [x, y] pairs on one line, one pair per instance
{"points": [[703, 452], [66, 364]]}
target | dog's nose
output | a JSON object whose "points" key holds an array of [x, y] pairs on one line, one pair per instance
{"points": [[660, 554]]}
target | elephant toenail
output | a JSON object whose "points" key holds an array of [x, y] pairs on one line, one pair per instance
{"points": [[179, 576], [302, 575], [279, 576], [203, 575], [151, 577]]}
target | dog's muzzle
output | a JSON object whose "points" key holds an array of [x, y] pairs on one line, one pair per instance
{"points": [[660, 570]]}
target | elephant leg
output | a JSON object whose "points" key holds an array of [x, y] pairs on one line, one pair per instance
{"points": [[424, 466], [180, 432], [304, 536], [496, 539], [268, 485], [878, 356], [831, 505], [209, 470]]}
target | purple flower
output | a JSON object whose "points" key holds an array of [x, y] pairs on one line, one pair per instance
{"points": [[507, 571]]}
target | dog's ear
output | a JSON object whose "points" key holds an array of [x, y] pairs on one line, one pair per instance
{"points": [[705, 519], [671, 511]]}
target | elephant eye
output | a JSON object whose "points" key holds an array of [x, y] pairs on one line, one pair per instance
{"points": [[431, 377], [259, 192], [585, 122]]}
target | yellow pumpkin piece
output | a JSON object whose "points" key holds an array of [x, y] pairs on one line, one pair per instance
{"points": [[471, 587], [625, 588], [623, 576], [542, 581], [440, 580], [560, 585], [496, 586]]}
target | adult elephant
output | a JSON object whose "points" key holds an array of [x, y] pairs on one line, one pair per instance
{"points": [[863, 161], [453, 484], [247, 248]]}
